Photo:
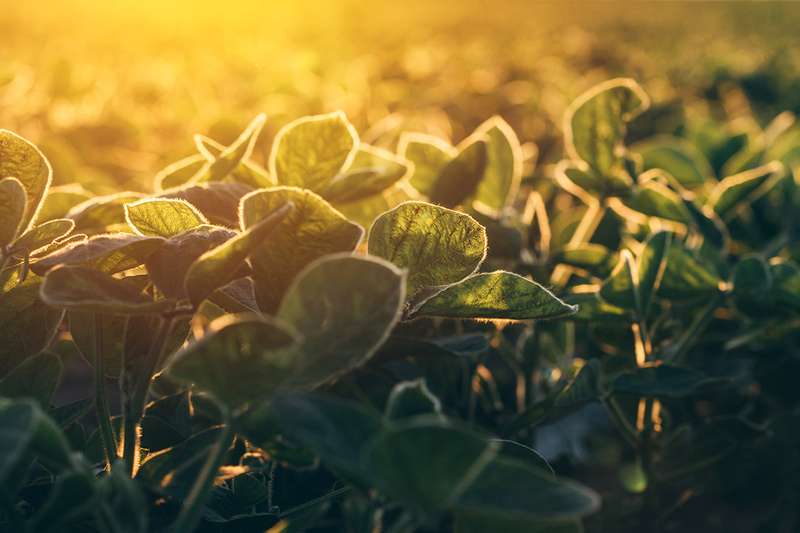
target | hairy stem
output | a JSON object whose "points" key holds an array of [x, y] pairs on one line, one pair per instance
{"points": [[191, 512], [100, 400], [135, 402]]}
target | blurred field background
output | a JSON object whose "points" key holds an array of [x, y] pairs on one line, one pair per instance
{"points": [[113, 91]]}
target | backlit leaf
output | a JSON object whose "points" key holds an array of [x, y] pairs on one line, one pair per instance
{"points": [[460, 177], [503, 171], [429, 155], [678, 157], [436, 245], [162, 217], [309, 152], [741, 188], [313, 229], [13, 202], [373, 170], [20, 159], [502, 295], [42, 235]]}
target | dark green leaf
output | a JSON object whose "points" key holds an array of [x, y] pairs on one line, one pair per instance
{"points": [[429, 154], [460, 177], [678, 157], [42, 235], [110, 253], [663, 381], [411, 398], [742, 188], [503, 171], [36, 377]]}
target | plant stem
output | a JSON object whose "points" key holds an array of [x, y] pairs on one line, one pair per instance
{"points": [[625, 427], [191, 511], [316, 501], [135, 403], [100, 400]]}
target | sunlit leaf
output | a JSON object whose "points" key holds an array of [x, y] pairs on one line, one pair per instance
{"points": [[84, 289], [246, 172], [313, 229], [373, 170], [503, 171], [429, 155], [41, 235], [741, 188], [620, 288], [98, 214], [220, 265], [500, 294], [437, 246], [594, 127], [657, 200], [162, 217], [178, 173], [217, 200], [309, 152], [344, 307], [593, 258], [20, 159], [231, 157], [13, 202]]}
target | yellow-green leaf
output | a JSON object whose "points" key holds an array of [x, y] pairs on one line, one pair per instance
{"points": [[163, 217], [503, 172], [501, 295], [461, 175], [373, 170], [13, 202], [438, 246], [313, 229], [20, 159], [309, 152], [429, 155], [42, 235]]}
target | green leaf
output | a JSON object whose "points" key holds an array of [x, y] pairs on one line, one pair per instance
{"points": [[313, 229], [663, 381], [460, 177], [742, 188], [246, 173], [13, 202], [84, 289], [595, 259], [178, 173], [234, 155], [466, 522], [60, 199], [27, 431], [162, 217], [309, 152], [239, 360], [594, 126], [438, 246], [220, 265], [373, 170], [685, 277], [20, 159], [786, 285], [501, 295], [620, 288], [169, 265], [42, 235], [36, 377], [335, 430], [651, 264], [752, 285], [508, 488], [103, 213], [217, 200], [655, 199], [412, 398], [344, 307], [27, 325], [82, 330], [678, 157], [427, 463], [503, 172], [111, 253], [429, 155]]}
